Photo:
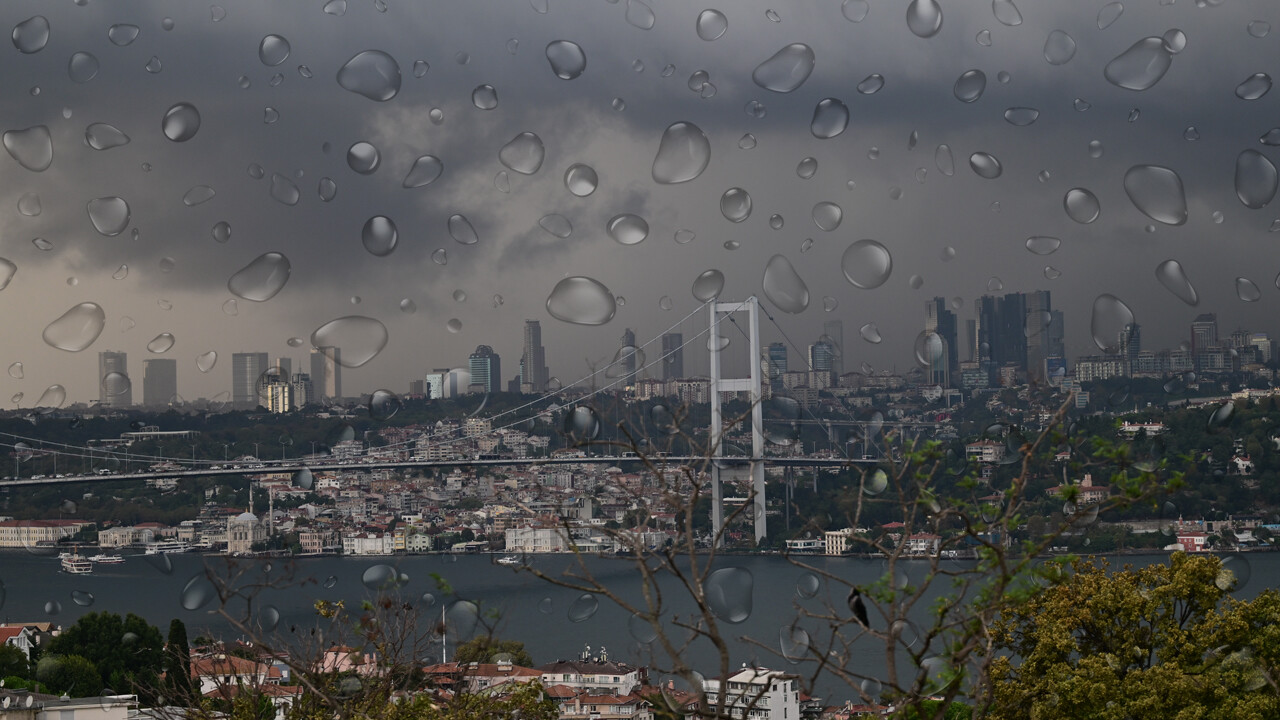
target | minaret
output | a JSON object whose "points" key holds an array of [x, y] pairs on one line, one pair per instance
{"points": [[271, 506]]}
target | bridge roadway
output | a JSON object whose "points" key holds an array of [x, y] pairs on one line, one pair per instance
{"points": [[276, 467]]}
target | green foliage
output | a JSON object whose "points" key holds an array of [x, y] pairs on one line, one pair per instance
{"points": [[128, 652], [484, 649], [13, 682], [13, 662], [1160, 641], [74, 675], [177, 660]]}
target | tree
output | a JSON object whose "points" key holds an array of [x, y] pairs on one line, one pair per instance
{"points": [[13, 662], [485, 648], [177, 660], [128, 652], [71, 674], [1159, 641]]}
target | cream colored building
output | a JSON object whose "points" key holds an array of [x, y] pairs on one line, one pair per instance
{"points": [[30, 533], [243, 532]]}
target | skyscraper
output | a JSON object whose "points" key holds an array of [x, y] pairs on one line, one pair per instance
{"points": [[285, 365], [834, 331], [821, 357], [1204, 337], [1037, 329], [114, 392], [533, 363], [486, 371], [1130, 344], [628, 359], [326, 373], [777, 364], [672, 356], [938, 319], [246, 368], [159, 382]]}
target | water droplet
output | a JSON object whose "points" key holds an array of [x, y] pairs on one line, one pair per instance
{"points": [[167, 24], [52, 397], [425, 170], [556, 224], [1247, 291], [261, 279], [729, 592], [1051, 272], [1157, 193], [970, 86], [221, 231], [440, 257], [582, 301], [1080, 105], [1081, 205], [1006, 12], [1259, 28], [363, 157], [924, 18], [628, 229], [827, 215], [256, 172], [101, 136], [484, 97], [284, 191], [462, 231], [1059, 48], [1175, 41], [381, 577], [524, 154], [206, 361], [115, 384], [109, 215], [1171, 275], [379, 235], [747, 142], [1043, 245], [42, 244], [871, 84], [1254, 87], [985, 165], [1256, 179], [161, 343], [181, 122], [711, 24], [683, 153], [784, 287], [273, 50], [567, 59], [735, 204], [1021, 116], [371, 73], [1111, 319], [1109, 14], [327, 189], [77, 328], [31, 147], [830, 118], [855, 10], [1141, 66], [383, 405], [360, 338], [7, 271], [581, 424], [708, 285], [231, 308], [121, 35], [786, 70], [31, 35], [994, 284], [15, 371], [866, 264], [198, 195], [915, 282], [639, 14]]}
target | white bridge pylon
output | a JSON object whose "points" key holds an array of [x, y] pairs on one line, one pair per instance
{"points": [[719, 384]]}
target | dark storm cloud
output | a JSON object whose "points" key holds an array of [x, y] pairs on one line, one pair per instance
{"points": [[985, 221]]}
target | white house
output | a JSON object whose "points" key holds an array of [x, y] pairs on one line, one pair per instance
{"points": [[757, 693]]}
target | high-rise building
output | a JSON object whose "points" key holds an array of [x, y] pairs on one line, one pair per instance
{"points": [[1129, 345], [1265, 346], [672, 356], [326, 373], [303, 392], [1204, 339], [533, 363], [776, 355], [1037, 332], [821, 357], [246, 368], [833, 330], [159, 382], [285, 365], [628, 360], [486, 371], [417, 388], [114, 392], [280, 397], [944, 361], [435, 383]]}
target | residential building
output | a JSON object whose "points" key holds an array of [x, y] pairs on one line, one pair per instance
{"points": [[837, 542], [756, 693]]}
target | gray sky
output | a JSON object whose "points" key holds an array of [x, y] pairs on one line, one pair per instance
{"points": [[201, 62]]}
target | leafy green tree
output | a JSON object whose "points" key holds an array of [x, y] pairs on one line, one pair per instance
{"points": [[1161, 641], [13, 662], [485, 648], [177, 660], [128, 652], [74, 675]]}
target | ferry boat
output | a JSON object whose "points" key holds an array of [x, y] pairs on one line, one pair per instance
{"points": [[510, 560], [77, 565], [106, 559], [164, 547]]}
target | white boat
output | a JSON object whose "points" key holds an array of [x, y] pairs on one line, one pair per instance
{"points": [[106, 559], [510, 560], [164, 547], [77, 565]]}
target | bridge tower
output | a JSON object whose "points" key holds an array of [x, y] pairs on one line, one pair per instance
{"points": [[719, 384]]}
